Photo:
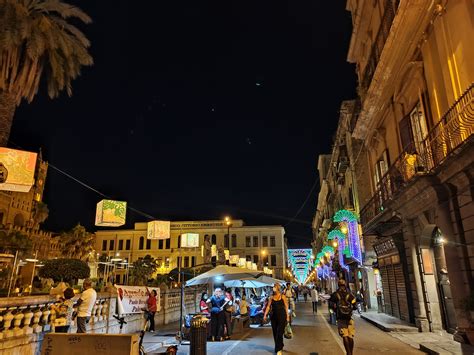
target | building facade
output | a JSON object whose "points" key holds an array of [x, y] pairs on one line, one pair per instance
{"points": [[263, 245], [414, 62]]}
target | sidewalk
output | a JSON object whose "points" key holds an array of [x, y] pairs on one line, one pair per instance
{"points": [[432, 343]]}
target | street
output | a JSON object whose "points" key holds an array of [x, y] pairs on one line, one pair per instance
{"points": [[312, 334]]}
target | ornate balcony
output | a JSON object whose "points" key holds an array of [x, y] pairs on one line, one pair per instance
{"points": [[454, 128], [390, 10]]}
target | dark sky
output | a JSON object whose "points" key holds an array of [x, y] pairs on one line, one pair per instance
{"points": [[197, 109]]}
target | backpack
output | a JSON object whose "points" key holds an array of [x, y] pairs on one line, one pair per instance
{"points": [[344, 307]]}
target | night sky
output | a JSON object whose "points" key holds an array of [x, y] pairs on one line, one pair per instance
{"points": [[197, 109]]}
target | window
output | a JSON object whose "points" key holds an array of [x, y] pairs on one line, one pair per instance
{"points": [[141, 243], [255, 241], [273, 260], [248, 257], [264, 241], [265, 260], [247, 242], [120, 246], [272, 241], [112, 245], [193, 261], [160, 244], [226, 241], [186, 261], [127, 244], [255, 259], [213, 239], [234, 241], [104, 245], [148, 244], [168, 243]]}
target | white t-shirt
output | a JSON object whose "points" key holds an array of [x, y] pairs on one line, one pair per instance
{"points": [[314, 295], [88, 298]]}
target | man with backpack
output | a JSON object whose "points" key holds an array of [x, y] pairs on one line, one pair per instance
{"points": [[344, 302]]}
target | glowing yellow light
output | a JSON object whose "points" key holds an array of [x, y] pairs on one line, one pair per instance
{"points": [[334, 244], [344, 229]]}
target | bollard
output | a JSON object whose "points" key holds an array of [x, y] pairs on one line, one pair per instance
{"points": [[198, 344]]}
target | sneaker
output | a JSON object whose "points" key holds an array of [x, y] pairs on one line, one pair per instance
{"points": [[279, 353]]}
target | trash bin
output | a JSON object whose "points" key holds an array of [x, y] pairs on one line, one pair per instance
{"points": [[198, 344]]}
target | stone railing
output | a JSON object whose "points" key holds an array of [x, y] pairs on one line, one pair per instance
{"points": [[25, 320]]}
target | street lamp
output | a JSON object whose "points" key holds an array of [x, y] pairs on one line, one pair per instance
{"points": [[228, 222]]}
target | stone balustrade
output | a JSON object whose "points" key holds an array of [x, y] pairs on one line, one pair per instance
{"points": [[25, 320]]}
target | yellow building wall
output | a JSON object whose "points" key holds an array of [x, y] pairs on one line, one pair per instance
{"points": [[448, 56]]}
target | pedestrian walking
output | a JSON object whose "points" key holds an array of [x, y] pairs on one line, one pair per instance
{"points": [[278, 305], [217, 302], [305, 294], [344, 303], [64, 311], [290, 295], [151, 310], [314, 299], [84, 306]]}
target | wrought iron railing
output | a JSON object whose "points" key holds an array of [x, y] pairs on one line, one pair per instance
{"points": [[454, 128], [390, 9]]}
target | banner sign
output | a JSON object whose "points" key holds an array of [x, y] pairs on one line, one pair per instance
{"points": [[132, 299]]}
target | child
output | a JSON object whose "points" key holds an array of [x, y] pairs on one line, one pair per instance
{"points": [[64, 312]]}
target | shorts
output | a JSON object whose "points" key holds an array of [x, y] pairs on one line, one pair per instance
{"points": [[346, 327]]}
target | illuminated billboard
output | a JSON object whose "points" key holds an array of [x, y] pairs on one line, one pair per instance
{"points": [[189, 240]]}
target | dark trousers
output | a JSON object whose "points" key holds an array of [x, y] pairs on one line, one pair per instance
{"points": [[278, 328], [228, 322], [61, 329], [81, 324], [151, 319], [217, 324], [315, 307]]}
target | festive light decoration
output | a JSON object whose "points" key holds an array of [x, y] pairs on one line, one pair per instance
{"points": [[17, 169], [299, 260], [189, 240], [160, 230], [336, 234], [328, 249], [353, 233], [110, 213]]}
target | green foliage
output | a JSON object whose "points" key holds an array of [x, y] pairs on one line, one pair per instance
{"points": [[77, 243], [142, 270], [36, 39], [15, 241], [67, 270], [119, 207]]}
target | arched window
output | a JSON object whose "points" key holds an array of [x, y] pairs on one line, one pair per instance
{"points": [[234, 241], [213, 239], [226, 241], [141, 243]]}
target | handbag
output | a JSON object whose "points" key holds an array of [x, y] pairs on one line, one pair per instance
{"points": [[288, 334]]}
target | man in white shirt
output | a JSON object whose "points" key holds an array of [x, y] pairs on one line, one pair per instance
{"points": [[290, 295], [85, 305], [314, 299]]}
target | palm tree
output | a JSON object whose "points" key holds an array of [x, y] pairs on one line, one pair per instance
{"points": [[40, 213], [36, 39], [77, 243]]}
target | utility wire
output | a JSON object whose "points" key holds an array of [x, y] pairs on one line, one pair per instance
{"points": [[90, 187], [305, 201]]}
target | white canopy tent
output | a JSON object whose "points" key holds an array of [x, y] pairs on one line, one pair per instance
{"points": [[223, 273]]}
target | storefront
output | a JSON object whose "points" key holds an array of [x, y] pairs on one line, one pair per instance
{"points": [[393, 274]]}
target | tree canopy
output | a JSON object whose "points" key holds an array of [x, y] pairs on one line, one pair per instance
{"points": [[142, 269], [77, 243], [66, 270], [15, 241]]}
